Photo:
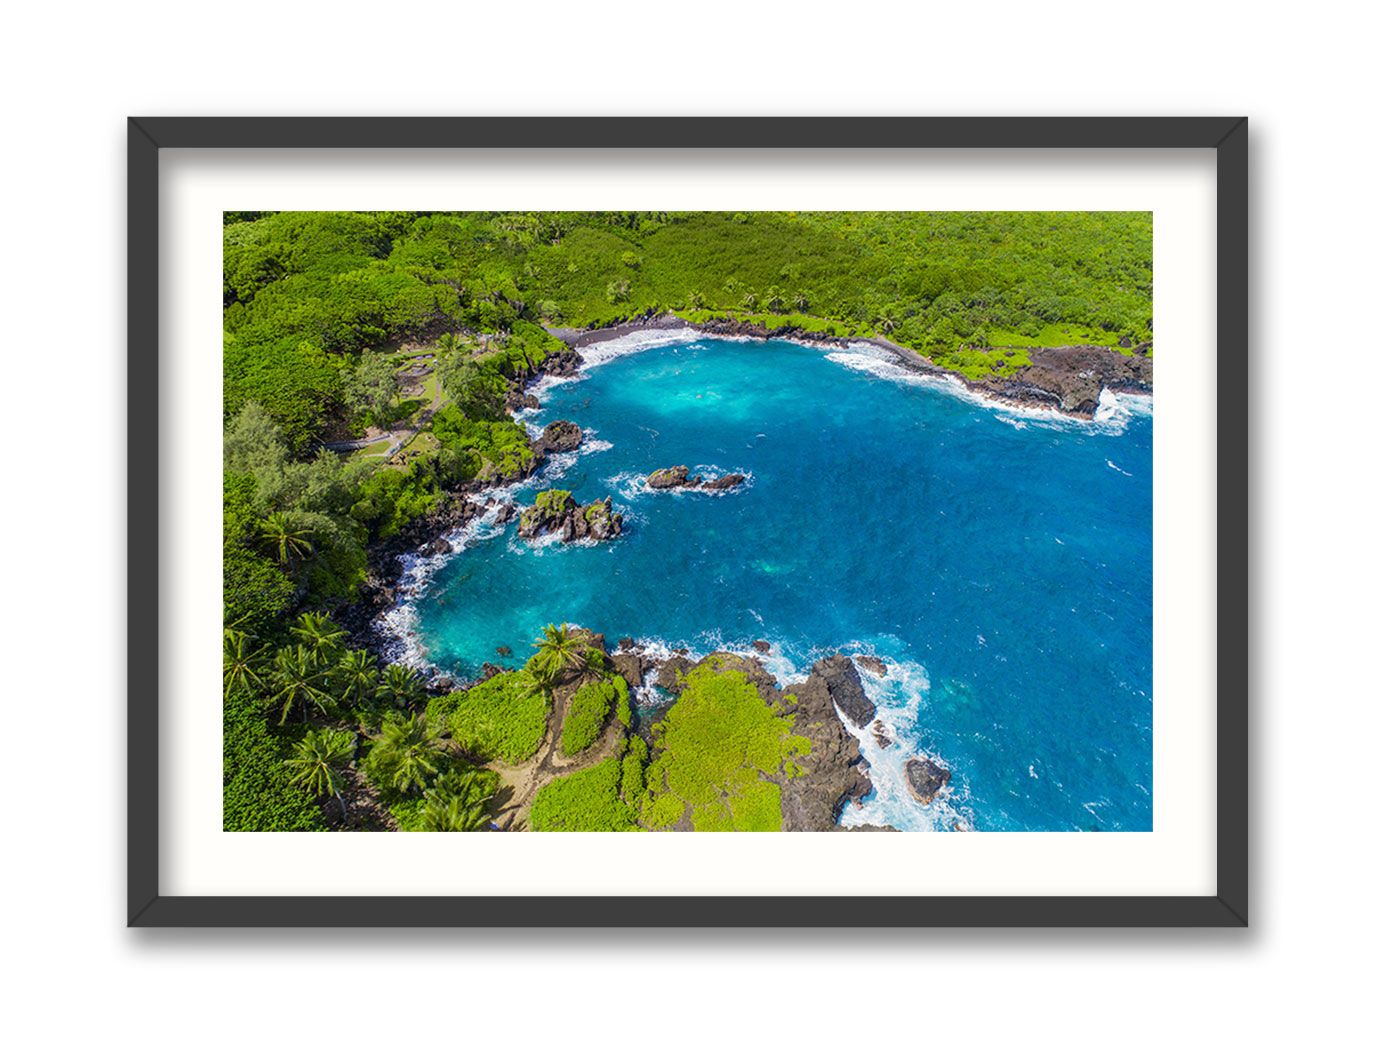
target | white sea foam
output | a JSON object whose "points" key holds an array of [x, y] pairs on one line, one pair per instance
{"points": [[1116, 409], [602, 352], [898, 696]]}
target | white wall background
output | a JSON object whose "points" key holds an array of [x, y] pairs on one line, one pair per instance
{"points": [[1324, 550]]}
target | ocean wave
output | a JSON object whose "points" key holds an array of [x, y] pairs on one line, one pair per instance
{"points": [[898, 697], [1116, 409], [604, 352]]}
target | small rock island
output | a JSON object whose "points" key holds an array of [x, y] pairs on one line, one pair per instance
{"points": [[678, 477], [558, 437], [556, 511]]}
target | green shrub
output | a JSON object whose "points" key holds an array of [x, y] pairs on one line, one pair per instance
{"points": [[716, 752], [633, 785], [502, 718], [589, 710], [587, 800]]}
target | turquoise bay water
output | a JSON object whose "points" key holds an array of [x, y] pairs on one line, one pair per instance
{"points": [[1000, 563]]}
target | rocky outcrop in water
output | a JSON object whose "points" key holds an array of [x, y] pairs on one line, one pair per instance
{"points": [[874, 665], [925, 778], [678, 477], [843, 682], [556, 511], [834, 773], [558, 437], [1071, 379], [669, 672]]}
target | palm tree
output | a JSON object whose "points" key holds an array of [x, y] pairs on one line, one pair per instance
{"points": [[886, 321], [282, 532], [402, 686], [458, 801], [695, 299], [454, 813], [403, 754], [800, 302], [322, 637], [243, 663], [749, 301], [559, 651], [358, 676], [533, 681], [594, 665], [318, 760], [298, 677]]}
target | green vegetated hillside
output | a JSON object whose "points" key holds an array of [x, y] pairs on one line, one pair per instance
{"points": [[305, 293], [341, 324]]}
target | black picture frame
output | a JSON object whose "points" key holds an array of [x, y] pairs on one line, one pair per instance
{"points": [[1227, 136]]}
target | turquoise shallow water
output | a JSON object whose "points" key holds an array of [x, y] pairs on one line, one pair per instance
{"points": [[1001, 564]]}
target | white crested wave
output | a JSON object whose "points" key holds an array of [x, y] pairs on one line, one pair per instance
{"points": [[898, 697], [592, 444], [593, 356], [1116, 409], [602, 352]]}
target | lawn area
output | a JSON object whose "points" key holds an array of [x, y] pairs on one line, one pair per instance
{"points": [[374, 450], [422, 443]]}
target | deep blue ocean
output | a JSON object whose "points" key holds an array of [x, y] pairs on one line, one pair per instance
{"points": [[1000, 563]]}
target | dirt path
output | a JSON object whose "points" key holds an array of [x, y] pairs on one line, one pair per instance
{"points": [[520, 783]]}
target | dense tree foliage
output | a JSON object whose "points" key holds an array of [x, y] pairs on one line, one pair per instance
{"points": [[307, 293]]}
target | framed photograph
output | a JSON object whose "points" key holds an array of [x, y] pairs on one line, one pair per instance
{"points": [[640, 522]]}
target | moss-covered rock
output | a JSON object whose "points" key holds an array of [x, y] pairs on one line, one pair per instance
{"points": [[556, 511]]}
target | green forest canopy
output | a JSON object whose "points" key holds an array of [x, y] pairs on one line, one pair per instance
{"points": [[305, 292]]}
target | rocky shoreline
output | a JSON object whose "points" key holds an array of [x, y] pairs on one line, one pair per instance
{"points": [[1065, 380], [836, 772]]}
